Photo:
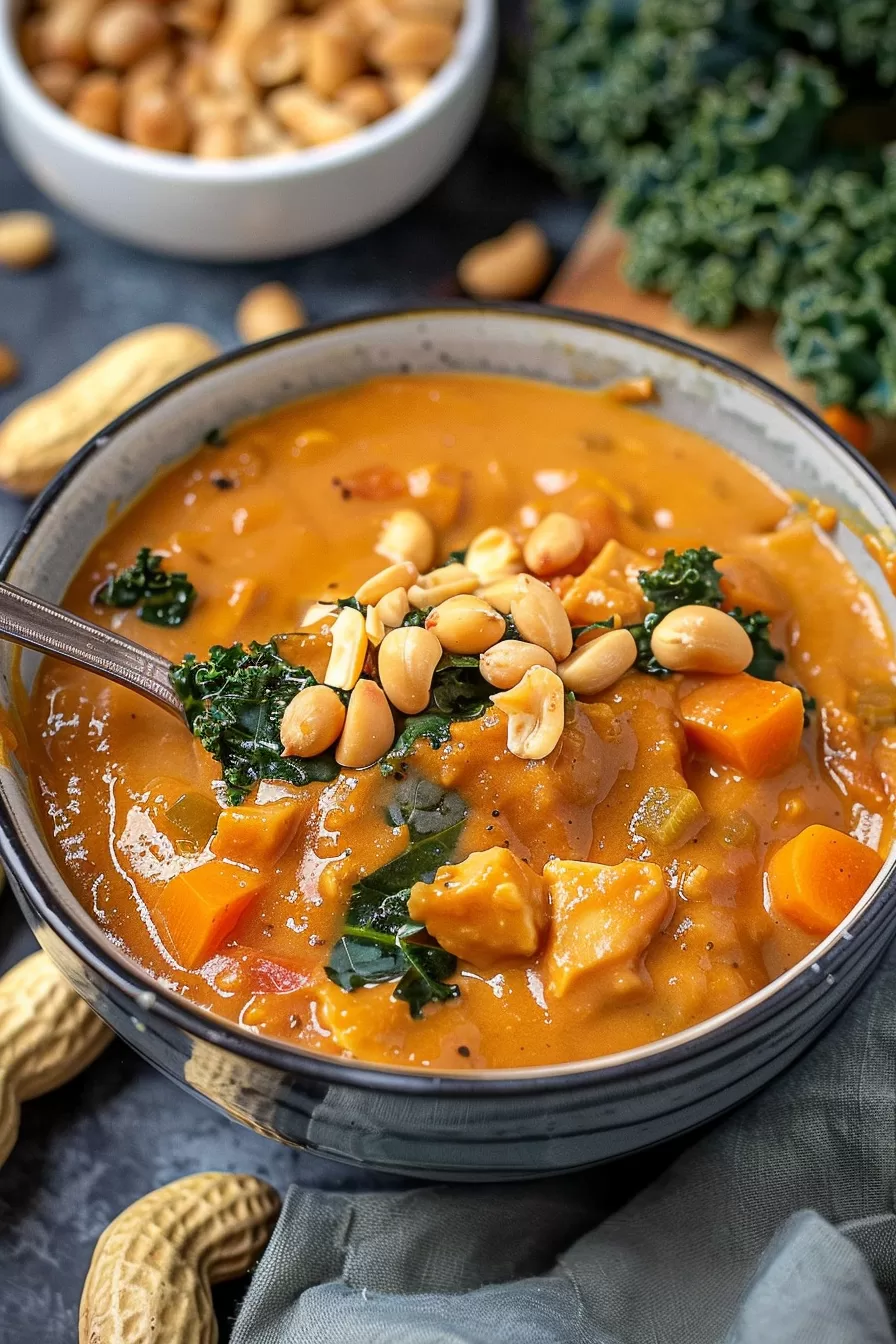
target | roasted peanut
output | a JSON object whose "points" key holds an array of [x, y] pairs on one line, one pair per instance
{"points": [[598, 664], [554, 544], [154, 70], [407, 536], [369, 16], [512, 266], [124, 31], [492, 555], [27, 239], [422, 43], [218, 140], [348, 651], [309, 118], [393, 608], [373, 624], [279, 53], [268, 310], [262, 135], [9, 365], [500, 593], [31, 40], [152, 1268], [701, 639], [197, 18], [57, 79], [64, 30], [504, 665], [365, 98], [540, 617], [445, 11], [156, 119], [535, 710], [312, 721], [400, 575], [405, 85], [44, 432], [466, 624], [47, 1035], [440, 584], [333, 59], [369, 727], [408, 657], [96, 102]]}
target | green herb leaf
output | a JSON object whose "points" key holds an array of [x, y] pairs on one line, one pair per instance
{"points": [[235, 702], [349, 602], [765, 656], [684, 579], [379, 943], [160, 598]]}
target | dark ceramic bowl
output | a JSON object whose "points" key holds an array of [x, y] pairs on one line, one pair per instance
{"points": [[460, 1126]]}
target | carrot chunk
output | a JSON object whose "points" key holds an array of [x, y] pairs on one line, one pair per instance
{"points": [[752, 725], [257, 834], [854, 428], [197, 909], [815, 879]]}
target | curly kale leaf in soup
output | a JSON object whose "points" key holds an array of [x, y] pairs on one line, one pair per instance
{"points": [[526, 727]]}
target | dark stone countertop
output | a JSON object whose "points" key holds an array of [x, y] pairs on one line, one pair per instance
{"points": [[118, 1131]]}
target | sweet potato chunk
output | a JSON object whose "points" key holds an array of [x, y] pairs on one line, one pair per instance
{"points": [[603, 918], [753, 725], [197, 909], [816, 878], [609, 586], [490, 906], [257, 834]]}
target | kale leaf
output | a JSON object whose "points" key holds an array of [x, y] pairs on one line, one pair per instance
{"points": [[379, 942], [161, 598], [684, 579], [765, 656], [234, 703]]}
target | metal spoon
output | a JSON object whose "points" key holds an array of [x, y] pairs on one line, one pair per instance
{"points": [[29, 620]]}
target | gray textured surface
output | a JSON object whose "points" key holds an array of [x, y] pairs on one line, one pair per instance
{"points": [[90, 1149]]}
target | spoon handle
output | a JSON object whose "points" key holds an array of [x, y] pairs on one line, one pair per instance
{"points": [[29, 620]]}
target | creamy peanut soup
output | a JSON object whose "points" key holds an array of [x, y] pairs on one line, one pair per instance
{"points": [[562, 730]]}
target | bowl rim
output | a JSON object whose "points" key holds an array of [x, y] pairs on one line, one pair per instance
{"points": [[151, 998], [474, 38]]}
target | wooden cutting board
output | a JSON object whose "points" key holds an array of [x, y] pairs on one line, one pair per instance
{"points": [[590, 279]]}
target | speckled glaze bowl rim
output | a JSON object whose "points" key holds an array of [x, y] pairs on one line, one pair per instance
{"points": [[472, 41], [151, 998]]}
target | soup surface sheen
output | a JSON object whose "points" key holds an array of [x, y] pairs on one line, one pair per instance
{"points": [[287, 510]]}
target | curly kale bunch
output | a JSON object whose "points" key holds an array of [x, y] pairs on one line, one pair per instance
{"points": [[728, 131]]}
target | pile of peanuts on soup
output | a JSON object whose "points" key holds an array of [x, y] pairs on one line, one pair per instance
{"points": [[223, 79]]}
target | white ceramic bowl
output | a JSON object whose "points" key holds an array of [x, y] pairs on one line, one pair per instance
{"points": [[249, 209]]}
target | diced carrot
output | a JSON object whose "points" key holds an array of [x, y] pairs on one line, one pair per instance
{"points": [[854, 428], [816, 878], [752, 725], [197, 909], [257, 834]]}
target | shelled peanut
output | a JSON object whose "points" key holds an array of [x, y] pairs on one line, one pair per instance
{"points": [[224, 79], [404, 625]]}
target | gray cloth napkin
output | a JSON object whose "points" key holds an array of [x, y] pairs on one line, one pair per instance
{"points": [[777, 1227]]}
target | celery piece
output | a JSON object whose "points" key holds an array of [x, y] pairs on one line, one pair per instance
{"points": [[195, 815], [668, 816]]}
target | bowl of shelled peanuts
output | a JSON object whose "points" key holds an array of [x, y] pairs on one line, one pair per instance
{"points": [[241, 129]]}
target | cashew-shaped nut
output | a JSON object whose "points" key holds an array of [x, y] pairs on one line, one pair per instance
{"points": [[149, 1278], [536, 713], [47, 1035]]}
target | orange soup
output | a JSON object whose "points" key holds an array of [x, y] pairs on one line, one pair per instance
{"points": [[527, 727]]}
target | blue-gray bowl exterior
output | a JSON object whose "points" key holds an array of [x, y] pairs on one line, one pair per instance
{"points": [[460, 1126]]}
